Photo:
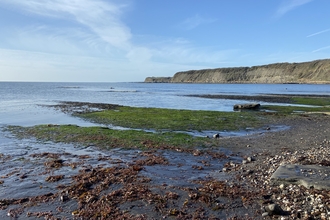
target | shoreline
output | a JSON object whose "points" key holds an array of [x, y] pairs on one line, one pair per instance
{"points": [[274, 98], [240, 190]]}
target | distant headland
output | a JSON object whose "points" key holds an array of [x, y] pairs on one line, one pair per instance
{"points": [[316, 72]]}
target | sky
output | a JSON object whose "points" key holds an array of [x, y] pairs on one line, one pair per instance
{"points": [[129, 40]]}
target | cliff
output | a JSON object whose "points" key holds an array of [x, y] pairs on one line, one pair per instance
{"points": [[317, 71]]}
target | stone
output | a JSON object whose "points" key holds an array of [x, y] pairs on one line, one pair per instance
{"points": [[248, 106], [309, 176], [273, 209], [250, 159], [265, 214]]}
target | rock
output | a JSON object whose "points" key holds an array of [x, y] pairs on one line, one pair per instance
{"points": [[64, 198], [158, 79], [309, 176], [264, 214], [273, 209], [249, 106], [217, 135], [250, 159]]}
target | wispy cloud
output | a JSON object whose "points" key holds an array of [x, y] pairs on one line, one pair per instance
{"points": [[195, 21], [103, 18], [317, 33], [289, 5], [89, 36], [320, 49]]}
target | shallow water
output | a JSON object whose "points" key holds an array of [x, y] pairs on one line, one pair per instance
{"points": [[24, 169]]}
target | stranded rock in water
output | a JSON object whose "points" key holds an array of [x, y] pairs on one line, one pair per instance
{"points": [[248, 106]]}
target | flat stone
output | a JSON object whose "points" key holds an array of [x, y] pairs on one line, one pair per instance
{"points": [[306, 175], [250, 106]]}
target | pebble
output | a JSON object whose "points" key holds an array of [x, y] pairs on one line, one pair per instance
{"points": [[273, 209]]}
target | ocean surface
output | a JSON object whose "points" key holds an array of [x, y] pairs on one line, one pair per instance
{"points": [[21, 102]]}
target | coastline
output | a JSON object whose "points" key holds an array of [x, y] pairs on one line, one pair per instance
{"points": [[289, 73], [274, 98], [241, 190]]}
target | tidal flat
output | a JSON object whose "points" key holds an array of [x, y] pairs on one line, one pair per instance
{"points": [[146, 163]]}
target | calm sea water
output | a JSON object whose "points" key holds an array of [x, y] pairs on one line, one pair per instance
{"points": [[19, 101]]}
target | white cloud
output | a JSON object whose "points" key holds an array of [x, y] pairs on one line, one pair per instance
{"points": [[289, 5], [86, 40], [103, 18], [317, 33], [320, 49], [195, 21]]}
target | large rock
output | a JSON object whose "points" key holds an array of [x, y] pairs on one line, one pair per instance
{"points": [[274, 209], [309, 176], [249, 106]]}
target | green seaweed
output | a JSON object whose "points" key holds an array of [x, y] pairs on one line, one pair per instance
{"points": [[294, 109], [168, 127], [317, 101], [109, 138], [173, 120]]}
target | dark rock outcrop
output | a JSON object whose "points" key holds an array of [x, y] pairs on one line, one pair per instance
{"points": [[317, 71], [158, 79], [248, 106]]}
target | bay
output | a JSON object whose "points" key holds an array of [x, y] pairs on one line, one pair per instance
{"points": [[20, 101]]}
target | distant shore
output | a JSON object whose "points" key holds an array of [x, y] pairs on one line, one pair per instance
{"points": [[313, 72], [274, 98]]}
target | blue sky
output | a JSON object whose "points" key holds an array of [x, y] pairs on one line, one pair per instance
{"points": [[128, 40]]}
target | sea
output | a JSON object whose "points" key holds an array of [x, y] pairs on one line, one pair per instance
{"points": [[21, 103]]}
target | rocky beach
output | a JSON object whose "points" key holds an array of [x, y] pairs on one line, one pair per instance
{"points": [[232, 179]]}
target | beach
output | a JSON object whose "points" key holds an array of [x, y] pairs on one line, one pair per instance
{"points": [[170, 183], [59, 165]]}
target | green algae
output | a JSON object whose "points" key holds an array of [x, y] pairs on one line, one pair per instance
{"points": [[110, 138], [172, 120], [158, 128]]}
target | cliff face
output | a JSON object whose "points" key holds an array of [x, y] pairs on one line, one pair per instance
{"points": [[317, 71]]}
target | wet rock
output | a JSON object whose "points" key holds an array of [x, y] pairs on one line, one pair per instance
{"points": [[54, 178], [64, 198], [250, 159], [309, 176], [248, 106], [217, 135], [274, 209], [265, 214]]}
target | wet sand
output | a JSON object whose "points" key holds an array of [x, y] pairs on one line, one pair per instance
{"points": [[230, 182]]}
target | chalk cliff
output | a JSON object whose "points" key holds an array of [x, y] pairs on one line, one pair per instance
{"points": [[317, 71]]}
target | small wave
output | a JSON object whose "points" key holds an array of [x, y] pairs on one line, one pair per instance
{"points": [[121, 91], [69, 87]]}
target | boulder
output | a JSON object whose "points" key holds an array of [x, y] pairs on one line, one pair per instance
{"points": [[248, 106], [274, 209], [309, 176]]}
